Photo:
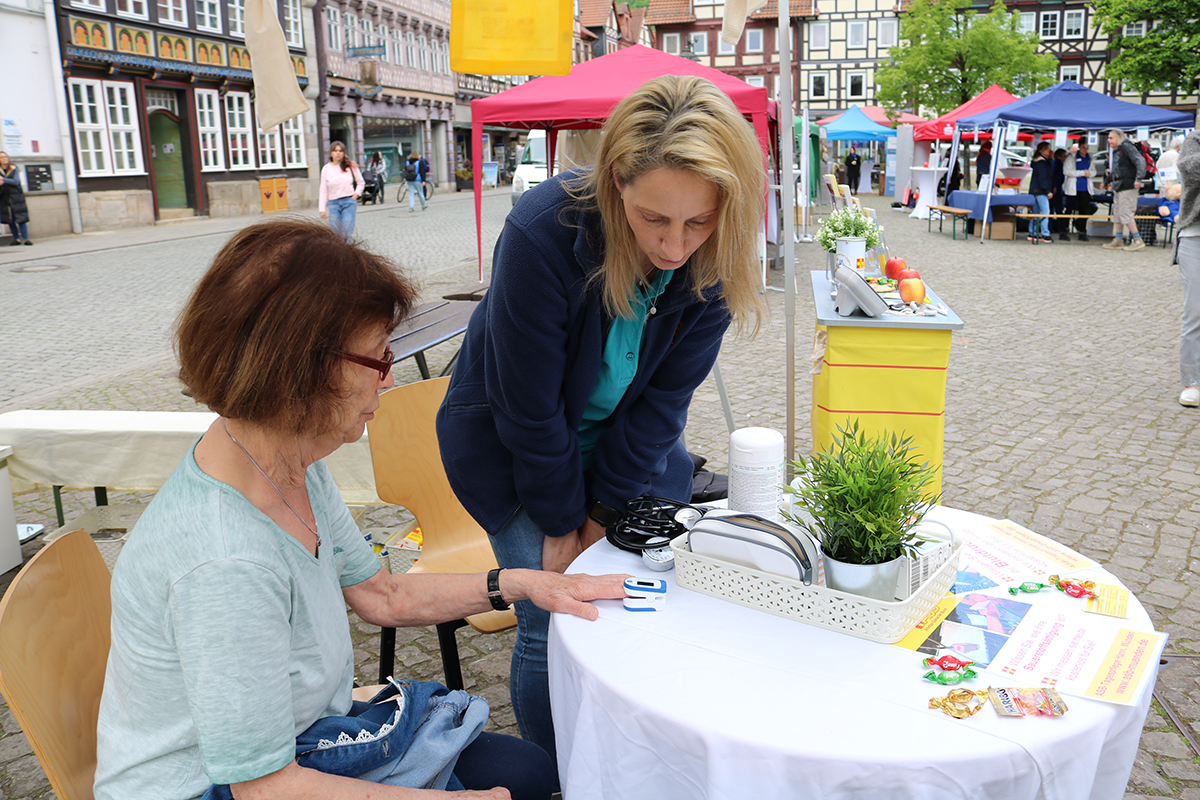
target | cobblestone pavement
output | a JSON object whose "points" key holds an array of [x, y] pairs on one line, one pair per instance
{"points": [[1061, 409]]}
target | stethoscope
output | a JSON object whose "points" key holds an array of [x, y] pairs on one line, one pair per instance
{"points": [[650, 523]]}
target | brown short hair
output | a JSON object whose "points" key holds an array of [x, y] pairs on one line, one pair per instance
{"points": [[255, 339]]}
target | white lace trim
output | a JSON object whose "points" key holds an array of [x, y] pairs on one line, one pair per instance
{"points": [[363, 736]]}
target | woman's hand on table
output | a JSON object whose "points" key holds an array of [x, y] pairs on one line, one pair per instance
{"points": [[564, 594]]}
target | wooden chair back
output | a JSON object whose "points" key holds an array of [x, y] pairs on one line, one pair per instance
{"points": [[408, 472], [54, 640]]}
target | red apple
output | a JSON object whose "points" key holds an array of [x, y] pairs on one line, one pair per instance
{"points": [[905, 274], [893, 267], [912, 290]]}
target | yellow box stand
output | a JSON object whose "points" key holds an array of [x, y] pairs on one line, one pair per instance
{"points": [[889, 374]]}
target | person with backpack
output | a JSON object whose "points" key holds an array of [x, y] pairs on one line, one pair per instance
{"points": [[1126, 176], [415, 170]]}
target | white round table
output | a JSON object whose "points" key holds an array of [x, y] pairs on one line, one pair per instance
{"points": [[927, 181], [709, 699]]}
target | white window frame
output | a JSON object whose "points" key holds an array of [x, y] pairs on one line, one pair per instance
{"points": [[410, 49], [699, 42], [756, 80], [128, 9], [270, 150], [91, 5], [110, 129], [856, 34], [887, 33], [1134, 29], [383, 37], [292, 22], [86, 99], [446, 61], [368, 33], [1076, 14], [177, 15], [850, 76], [398, 47], [424, 50], [350, 26], [818, 38], [671, 43], [706, 2], [208, 126], [1028, 23], [754, 40], [1048, 25], [293, 142], [333, 29], [207, 10], [124, 135], [236, 10], [1071, 72], [239, 131], [724, 48], [812, 92]]}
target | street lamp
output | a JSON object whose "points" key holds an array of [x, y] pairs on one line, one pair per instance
{"points": [[688, 53]]}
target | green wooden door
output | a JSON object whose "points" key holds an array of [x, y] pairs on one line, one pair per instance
{"points": [[167, 156]]}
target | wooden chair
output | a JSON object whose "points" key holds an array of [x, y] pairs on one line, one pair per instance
{"points": [[54, 639], [409, 473]]}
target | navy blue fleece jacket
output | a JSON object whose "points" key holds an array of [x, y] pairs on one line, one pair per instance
{"points": [[508, 426]]}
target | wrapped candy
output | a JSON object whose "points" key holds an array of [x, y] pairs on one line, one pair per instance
{"points": [[1073, 587], [951, 678], [1029, 587], [948, 662], [959, 703], [1013, 702]]}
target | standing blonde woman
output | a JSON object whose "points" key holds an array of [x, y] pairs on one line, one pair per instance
{"points": [[341, 184], [611, 290]]}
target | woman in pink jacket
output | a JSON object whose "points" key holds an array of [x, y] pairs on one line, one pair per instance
{"points": [[341, 184]]}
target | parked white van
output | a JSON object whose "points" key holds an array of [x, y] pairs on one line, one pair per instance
{"points": [[531, 169]]}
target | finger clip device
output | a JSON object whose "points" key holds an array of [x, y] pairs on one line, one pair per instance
{"points": [[645, 594]]}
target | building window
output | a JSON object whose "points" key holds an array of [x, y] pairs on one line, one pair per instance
{"points": [[208, 125], [130, 8], [699, 43], [237, 18], [293, 143], [368, 33], [1049, 25], [1072, 73], [172, 12], [856, 33], [887, 33], [333, 29], [398, 47], [818, 85], [446, 59], [269, 154], [1073, 24], [1134, 29], [293, 23], [238, 130], [670, 43], [857, 83], [350, 23], [754, 40], [705, 2], [106, 128], [818, 36], [385, 41], [724, 48], [208, 15], [96, 5], [424, 54], [756, 80], [1028, 23], [162, 98], [410, 49]]}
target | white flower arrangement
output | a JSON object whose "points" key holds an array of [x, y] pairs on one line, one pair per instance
{"points": [[847, 222]]}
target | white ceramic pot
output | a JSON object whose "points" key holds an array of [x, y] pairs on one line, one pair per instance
{"points": [[877, 581], [852, 253]]}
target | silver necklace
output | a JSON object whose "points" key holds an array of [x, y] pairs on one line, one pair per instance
{"points": [[303, 522]]}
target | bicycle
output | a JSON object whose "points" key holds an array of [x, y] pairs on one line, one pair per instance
{"points": [[402, 193]]}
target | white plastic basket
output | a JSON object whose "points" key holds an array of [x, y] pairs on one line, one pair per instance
{"points": [[863, 617], [109, 527]]}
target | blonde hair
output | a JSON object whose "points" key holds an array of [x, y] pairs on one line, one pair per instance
{"points": [[682, 122]]}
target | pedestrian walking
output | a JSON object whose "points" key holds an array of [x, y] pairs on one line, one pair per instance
{"points": [[1187, 255], [1126, 174], [853, 169], [341, 184], [1041, 186], [611, 291], [13, 211], [1077, 186], [415, 171]]}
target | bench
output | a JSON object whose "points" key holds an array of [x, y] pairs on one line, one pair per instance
{"points": [[954, 213], [429, 325]]}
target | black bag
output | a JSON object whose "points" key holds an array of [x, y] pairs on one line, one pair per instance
{"points": [[707, 486], [410, 170]]}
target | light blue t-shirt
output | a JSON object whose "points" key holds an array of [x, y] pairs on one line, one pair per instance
{"points": [[618, 366], [228, 638]]}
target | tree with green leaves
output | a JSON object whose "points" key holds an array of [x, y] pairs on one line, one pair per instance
{"points": [[949, 53], [1167, 56]]}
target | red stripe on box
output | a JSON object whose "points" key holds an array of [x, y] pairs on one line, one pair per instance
{"points": [[906, 413], [879, 366]]}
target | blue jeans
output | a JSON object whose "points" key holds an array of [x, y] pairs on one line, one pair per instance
{"points": [[342, 213], [19, 232], [415, 190], [1041, 205]]}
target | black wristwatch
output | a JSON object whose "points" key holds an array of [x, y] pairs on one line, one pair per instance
{"points": [[604, 514], [493, 589]]}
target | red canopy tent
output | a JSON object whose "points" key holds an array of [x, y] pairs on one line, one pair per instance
{"points": [[878, 115], [942, 128], [585, 98]]}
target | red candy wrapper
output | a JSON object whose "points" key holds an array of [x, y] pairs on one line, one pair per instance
{"points": [[948, 662], [1011, 702]]}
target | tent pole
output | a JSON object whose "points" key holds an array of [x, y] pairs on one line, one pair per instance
{"points": [[787, 149], [805, 178], [987, 204]]}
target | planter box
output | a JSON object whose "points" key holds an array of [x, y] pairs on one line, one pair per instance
{"points": [[464, 186]]}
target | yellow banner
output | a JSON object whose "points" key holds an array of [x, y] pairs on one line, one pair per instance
{"points": [[1121, 672], [506, 37]]}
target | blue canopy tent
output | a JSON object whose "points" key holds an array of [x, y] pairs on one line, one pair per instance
{"points": [[855, 126], [1069, 105]]}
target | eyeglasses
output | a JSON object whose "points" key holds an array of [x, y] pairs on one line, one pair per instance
{"points": [[384, 365]]}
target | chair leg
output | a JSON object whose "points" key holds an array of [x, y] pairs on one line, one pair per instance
{"points": [[448, 644]]}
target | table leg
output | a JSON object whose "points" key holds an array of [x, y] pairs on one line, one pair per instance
{"points": [[422, 366], [101, 495], [58, 509], [387, 654]]}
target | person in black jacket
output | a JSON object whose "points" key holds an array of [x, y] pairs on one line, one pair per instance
{"points": [[1056, 200], [13, 211], [1041, 186], [983, 162], [853, 169]]}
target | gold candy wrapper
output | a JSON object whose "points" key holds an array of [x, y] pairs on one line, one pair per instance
{"points": [[1012, 702], [959, 703]]}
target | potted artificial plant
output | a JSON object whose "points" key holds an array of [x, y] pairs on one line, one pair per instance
{"points": [[848, 224], [864, 497], [462, 179]]}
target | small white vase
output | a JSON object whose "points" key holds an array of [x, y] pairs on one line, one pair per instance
{"points": [[877, 581], [852, 253]]}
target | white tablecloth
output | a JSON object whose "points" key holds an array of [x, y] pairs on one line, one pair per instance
{"points": [[712, 700], [927, 181], [135, 451]]}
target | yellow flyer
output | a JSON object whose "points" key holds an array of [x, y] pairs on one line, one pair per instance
{"points": [[1125, 666]]}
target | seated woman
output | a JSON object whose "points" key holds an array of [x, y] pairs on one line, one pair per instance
{"points": [[229, 630]]}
